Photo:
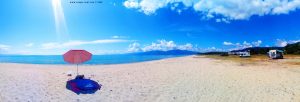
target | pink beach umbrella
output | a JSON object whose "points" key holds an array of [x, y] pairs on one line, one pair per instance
{"points": [[77, 57]]}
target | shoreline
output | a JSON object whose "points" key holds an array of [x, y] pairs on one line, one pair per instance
{"points": [[98, 64], [180, 79]]}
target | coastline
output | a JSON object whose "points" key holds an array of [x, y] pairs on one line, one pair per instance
{"points": [[96, 59], [189, 78]]}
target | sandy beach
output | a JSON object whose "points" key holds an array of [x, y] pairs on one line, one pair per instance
{"points": [[182, 79]]}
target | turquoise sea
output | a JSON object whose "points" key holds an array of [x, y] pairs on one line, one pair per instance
{"points": [[96, 59]]}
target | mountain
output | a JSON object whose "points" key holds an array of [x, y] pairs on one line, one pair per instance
{"points": [[293, 48], [170, 52]]}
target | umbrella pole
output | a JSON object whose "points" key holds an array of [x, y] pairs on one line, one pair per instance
{"points": [[77, 69]]}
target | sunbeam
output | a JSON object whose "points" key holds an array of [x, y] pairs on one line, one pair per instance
{"points": [[60, 22]]}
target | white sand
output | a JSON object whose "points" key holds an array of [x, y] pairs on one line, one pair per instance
{"points": [[185, 79]]}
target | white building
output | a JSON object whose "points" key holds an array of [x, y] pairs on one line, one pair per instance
{"points": [[244, 54]]}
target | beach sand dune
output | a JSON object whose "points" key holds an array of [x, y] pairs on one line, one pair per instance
{"points": [[183, 79]]}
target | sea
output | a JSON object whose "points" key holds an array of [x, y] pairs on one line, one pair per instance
{"points": [[95, 60]]}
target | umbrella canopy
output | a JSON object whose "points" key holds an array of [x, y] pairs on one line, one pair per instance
{"points": [[77, 56]]}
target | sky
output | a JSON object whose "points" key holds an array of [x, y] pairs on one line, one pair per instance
{"points": [[52, 27]]}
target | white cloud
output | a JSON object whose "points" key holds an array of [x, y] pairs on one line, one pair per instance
{"points": [[228, 9], [227, 43], [283, 43], [118, 37], [131, 4], [257, 43], [161, 45], [134, 47], [29, 44], [246, 44], [212, 49], [4, 47], [54, 45], [293, 41], [221, 20], [243, 45], [286, 6], [108, 52], [187, 46], [150, 6]]}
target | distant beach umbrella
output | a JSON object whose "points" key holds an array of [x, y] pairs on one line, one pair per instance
{"points": [[77, 57]]}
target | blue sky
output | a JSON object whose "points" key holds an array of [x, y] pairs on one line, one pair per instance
{"points": [[122, 26]]}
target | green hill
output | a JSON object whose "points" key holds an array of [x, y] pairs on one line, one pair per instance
{"points": [[292, 48]]}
